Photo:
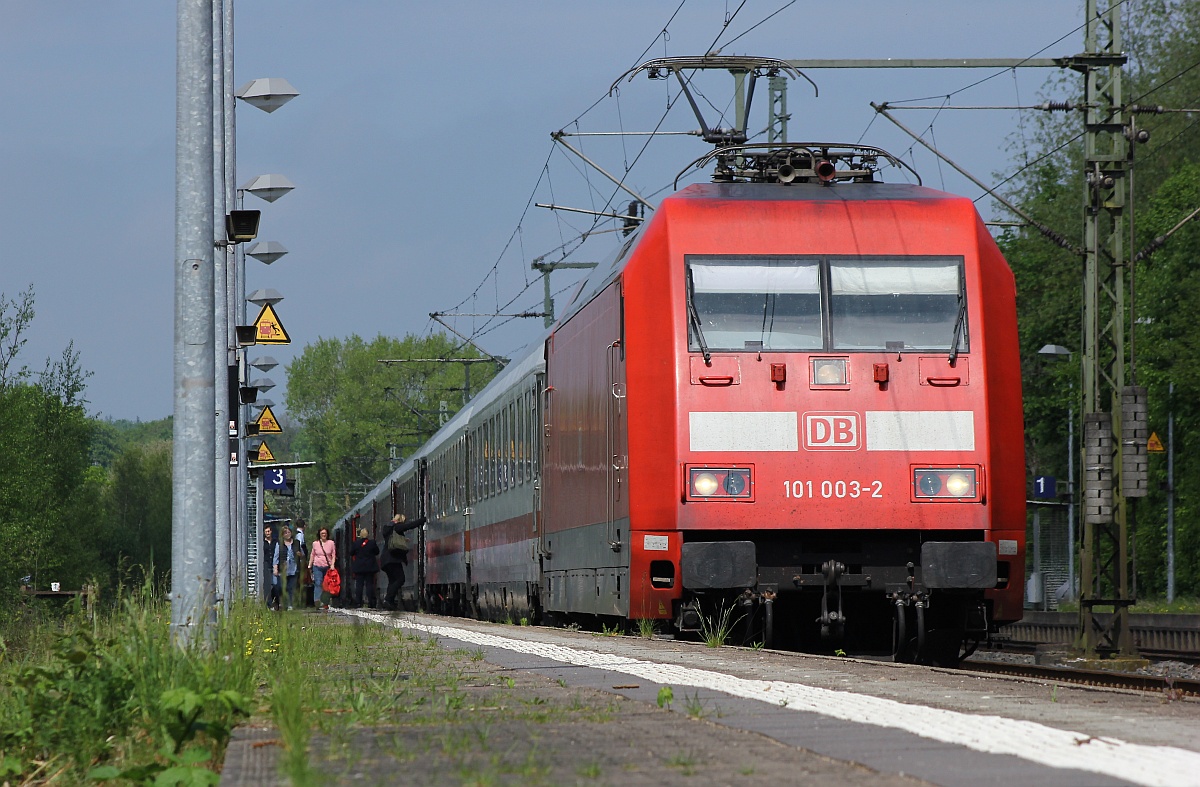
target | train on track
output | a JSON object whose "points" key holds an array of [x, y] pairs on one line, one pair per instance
{"points": [[791, 400]]}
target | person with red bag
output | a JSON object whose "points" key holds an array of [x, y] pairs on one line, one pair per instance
{"points": [[321, 558]]}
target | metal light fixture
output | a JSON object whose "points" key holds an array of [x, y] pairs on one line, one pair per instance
{"points": [[264, 364], [269, 187], [242, 225], [247, 394], [263, 297], [267, 252], [247, 335], [263, 383], [268, 94]]}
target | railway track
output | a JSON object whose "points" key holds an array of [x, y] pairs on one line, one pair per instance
{"points": [[1170, 688]]}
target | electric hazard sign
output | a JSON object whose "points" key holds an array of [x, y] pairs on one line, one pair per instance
{"points": [[264, 453], [267, 422], [268, 329]]}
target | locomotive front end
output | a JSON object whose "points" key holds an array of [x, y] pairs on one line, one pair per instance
{"points": [[848, 446]]}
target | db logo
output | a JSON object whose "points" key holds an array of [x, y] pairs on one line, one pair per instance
{"points": [[831, 431]]}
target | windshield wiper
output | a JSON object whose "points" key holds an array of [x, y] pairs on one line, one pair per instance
{"points": [[959, 323], [694, 318]]}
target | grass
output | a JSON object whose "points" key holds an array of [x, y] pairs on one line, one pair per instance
{"points": [[1148, 606], [647, 628], [110, 697], [716, 628]]}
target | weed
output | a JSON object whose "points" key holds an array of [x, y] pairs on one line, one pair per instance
{"points": [[509, 683], [647, 628], [757, 645], [685, 761], [748, 771], [839, 652], [615, 631], [666, 696], [716, 628], [1054, 693], [478, 655], [694, 705], [589, 771], [561, 682]]}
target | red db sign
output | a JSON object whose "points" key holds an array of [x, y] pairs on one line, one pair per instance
{"points": [[831, 431]]}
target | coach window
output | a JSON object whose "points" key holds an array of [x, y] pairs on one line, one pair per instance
{"points": [[512, 444], [522, 437], [760, 303], [897, 304], [493, 446]]}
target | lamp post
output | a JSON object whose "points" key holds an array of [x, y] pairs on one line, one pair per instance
{"points": [[267, 94], [1060, 352]]}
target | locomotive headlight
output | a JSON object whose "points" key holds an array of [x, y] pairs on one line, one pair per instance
{"points": [[829, 371], [946, 483], [929, 484], [704, 484], [960, 484], [735, 483]]}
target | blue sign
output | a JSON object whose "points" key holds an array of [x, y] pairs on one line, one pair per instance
{"points": [[1045, 486], [275, 478]]}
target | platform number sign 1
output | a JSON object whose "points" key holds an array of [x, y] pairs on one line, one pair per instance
{"points": [[1045, 487], [275, 478]]}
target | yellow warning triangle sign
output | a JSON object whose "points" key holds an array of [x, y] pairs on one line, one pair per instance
{"points": [[1154, 445], [264, 453], [268, 329], [267, 422]]}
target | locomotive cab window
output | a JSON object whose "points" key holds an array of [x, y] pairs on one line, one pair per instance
{"points": [[769, 304], [783, 304]]}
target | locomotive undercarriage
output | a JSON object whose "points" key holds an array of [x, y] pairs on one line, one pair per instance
{"points": [[915, 598]]}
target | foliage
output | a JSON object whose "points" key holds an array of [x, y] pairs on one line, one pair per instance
{"points": [[114, 697], [354, 412], [1161, 334]]}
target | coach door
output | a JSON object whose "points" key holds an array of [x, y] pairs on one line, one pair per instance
{"points": [[616, 436]]}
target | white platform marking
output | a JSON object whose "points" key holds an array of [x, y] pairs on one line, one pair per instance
{"points": [[1154, 766]]}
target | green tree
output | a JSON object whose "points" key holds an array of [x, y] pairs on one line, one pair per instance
{"points": [[354, 413], [1162, 334]]}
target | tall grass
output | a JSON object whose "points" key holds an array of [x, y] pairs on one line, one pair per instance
{"points": [[111, 695]]}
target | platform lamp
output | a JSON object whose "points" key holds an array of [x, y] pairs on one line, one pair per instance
{"points": [[268, 187], [264, 297], [1060, 353], [267, 94], [267, 252]]}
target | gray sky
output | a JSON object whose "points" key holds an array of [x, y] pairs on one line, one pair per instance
{"points": [[416, 144]]}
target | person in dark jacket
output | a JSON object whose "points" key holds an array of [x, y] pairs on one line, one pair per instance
{"points": [[267, 553], [393, 560], [364, 565]]}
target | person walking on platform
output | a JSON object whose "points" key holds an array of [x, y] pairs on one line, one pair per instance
{"points": [[322, 555], [364, 565], [395, 555], [288, 559], [305, 576], [267, 552]]}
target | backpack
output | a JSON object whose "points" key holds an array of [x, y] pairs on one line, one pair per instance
{"points": [[397, 543]]}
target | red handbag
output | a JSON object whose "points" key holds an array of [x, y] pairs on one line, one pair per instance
{"points": [[332, 583]]}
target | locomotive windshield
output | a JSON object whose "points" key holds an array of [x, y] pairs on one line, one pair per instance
{"points": [[826, 304]]}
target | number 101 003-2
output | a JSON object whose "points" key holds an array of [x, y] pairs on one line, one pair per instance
{"points": [[832, 489]]}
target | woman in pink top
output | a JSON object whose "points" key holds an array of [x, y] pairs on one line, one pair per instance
{"points": [[321, 556]]}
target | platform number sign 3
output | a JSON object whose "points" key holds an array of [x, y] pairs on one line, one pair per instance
{"points": [[275, 478]]}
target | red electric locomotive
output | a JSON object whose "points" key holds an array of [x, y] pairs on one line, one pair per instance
{"points": [[794, 393]]}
